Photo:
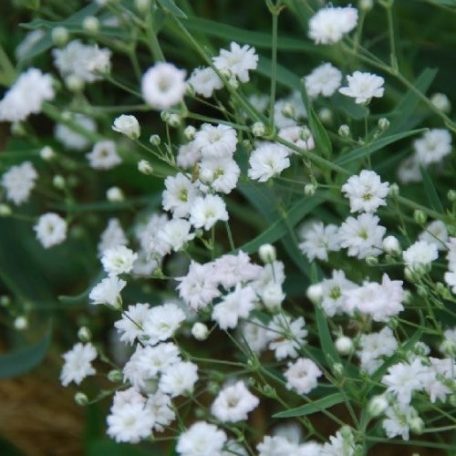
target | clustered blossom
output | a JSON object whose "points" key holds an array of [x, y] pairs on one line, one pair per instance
{"points": [[329, 25]]}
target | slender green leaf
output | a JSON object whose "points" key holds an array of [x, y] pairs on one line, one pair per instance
{"points": [[369, 149], [326, 341], [170, 6], [313, 407], [20, 361], [431, 192], [284, 76]]}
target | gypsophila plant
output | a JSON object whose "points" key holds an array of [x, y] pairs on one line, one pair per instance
{"points": [[246, 230]]}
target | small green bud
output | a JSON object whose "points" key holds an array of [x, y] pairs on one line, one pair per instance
{"points": [[371, 261], [5, 210], [310, 189], [189, 132], [267, 253], [155, 140], [344, 131], [81, 398], [419, 216], [115, 376], [451, 195], [60, 36], [84, 334], [377, 405], [91, 24], [393, 190], [383, 124], [258, 129]]}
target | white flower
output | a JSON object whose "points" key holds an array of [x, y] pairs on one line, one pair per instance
{"points": [[233, 306], [272, 295], [51, 229], [362, 236], [201, 439], [78, 364], [365, 191], [175, 234], [233, 403], [299, 136], [198, 287], [118, 260], [127, 125], [255, 334], [339, 445], [363, 87], [104, 155], [380, 301], [160, 406], [329, 25], [333, 293], [129, 419], [216, 141], [207, 210], [397, 421], [402, 379], [19, 181], [107, 291], [238, 61], [163, 85], [179, 195], [289, 111], [287, 336], [450, 279], [112, 236], [434, 145], [72, 139], [230, 270], [204, 81], [420, 254], [324, 80], [277, 446], [26, 96], [161, 323], [318, 240], [188, 155], [302, 375], [435, 233], [179, 379], [131, 325], [85, 62], [268, 160], [374, 346], [221, 174]]}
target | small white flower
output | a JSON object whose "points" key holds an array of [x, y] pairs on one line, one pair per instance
{"points": [[435, 233], [362, 236], [268, 160], [131, 325], [216, 141], [420, 254], [204, 81], [78, 364], [112, 236], [300, 137], [127, 125], [19, 181], [163, 85], [175, 234], [72, 139], [363, 87], [179, 195], [302, 375], [365, 191], [51, 229], [318, 240], [118, 260], [107, 291], [238, 61], [179, 379], [161, 323], [104, 155], [221, 174], [324, 80], [207, 210], [188, 155], [201, 439], [287, 336], [233, 403], [26, 96], [333, 293], [433, 146], [329, 25]]}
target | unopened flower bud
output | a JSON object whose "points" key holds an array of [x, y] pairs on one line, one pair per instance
{"points": [[267, 253], [416, 425], [5, 301], [325, 115], [81, 398], [60, 36], [393, 190], [448, 347], [371, 261], [419, 216], [74, 83], [84, 334], [189, 132], [344, 131], [315, 292], [20, 323], [91, 24], [288, 110], [338, 368], [115, 376], [305, 133], [383, 123], [310, 189], [233, 82], [441, 102], [366, 5], [114, 194], [451, 195], [391, 245], [344, 345], [173, 120], [377, 405], [200, 331], [58, 181], [155, 140], [47, 153], [142, 5], [145, 167], [258, 129], [128, 126], [5, 210]]}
